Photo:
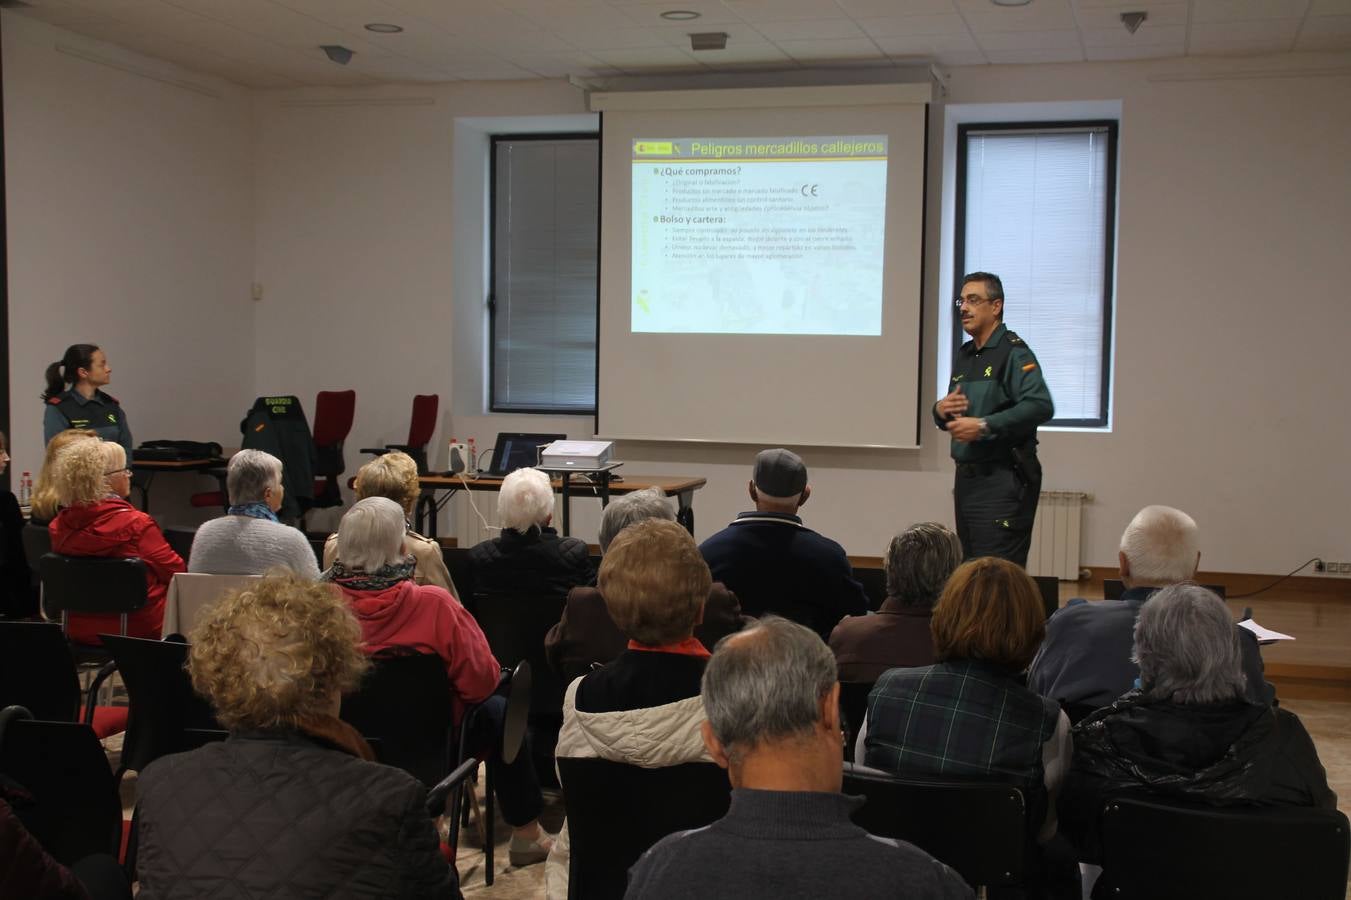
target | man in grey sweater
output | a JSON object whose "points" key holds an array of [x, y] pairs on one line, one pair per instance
{"points": [[772, 700]]}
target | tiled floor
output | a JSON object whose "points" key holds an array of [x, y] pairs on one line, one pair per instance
{"points": [[1329, 723]]}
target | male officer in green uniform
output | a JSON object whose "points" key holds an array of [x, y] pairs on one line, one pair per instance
{"points": [[995, 401]]}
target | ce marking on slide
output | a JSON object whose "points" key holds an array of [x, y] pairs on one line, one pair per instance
{"points": [[809, 190]]}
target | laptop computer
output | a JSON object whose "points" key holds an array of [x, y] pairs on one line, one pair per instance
{"points": [[518, 450]]}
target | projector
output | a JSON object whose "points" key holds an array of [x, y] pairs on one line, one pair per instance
{"points": [[576, 455]]}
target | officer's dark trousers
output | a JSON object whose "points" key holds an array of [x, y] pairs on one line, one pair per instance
{"points": [[995, 509]]}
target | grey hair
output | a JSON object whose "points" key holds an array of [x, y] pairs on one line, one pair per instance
{"points": [[1187, 647], [649, 503], [765, 683], [919, 562], [526, 500], [371, 534], [1161, 544], [250, 474]]}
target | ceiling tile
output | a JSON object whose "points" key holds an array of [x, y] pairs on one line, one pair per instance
{"points": [[1237, 47], [711, 12], [914, 25], [421, 38], [397, 69], [928, 45], [1325, 25], [1045, 15], [562, 65], [647, 59], [1265, 30], [743, 54], [810, 28], [59, 12], [615, 38], [1324, 42], [1159, 14], [845, 48], [1146, 51], [1029, 40], [962, 58], [1330, 8], [351, 15], [878, 8], [1245, 10], [1034, 56], [1147, 36], [767, 11]]}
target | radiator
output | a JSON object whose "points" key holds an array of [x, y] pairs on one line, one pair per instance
{"points": [[1055, 535]]}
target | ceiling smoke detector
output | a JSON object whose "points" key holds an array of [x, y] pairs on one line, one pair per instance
{"points": [[1010, 2], [383, 27], [709, 40], [1133, 20], [338, 53], [680, 15]]}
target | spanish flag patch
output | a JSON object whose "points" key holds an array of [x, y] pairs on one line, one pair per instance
{"points": [[1029, 367]]}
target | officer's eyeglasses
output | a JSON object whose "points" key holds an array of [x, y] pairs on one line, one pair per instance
{"points": [[125, 470], [969, 300]]}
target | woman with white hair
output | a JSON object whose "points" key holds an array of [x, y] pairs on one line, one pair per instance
{"points": [[529, 559], [92, 482], [1187, 732], [374, 571], [249, 539]]}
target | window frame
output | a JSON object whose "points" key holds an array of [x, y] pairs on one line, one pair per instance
{"points": [[491, 300], [1112, 129]]}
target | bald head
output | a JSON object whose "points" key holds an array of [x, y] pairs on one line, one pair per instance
{"points": [[1161, 546]]}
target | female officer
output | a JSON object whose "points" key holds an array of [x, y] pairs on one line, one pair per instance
{"points": [[83, 404]]}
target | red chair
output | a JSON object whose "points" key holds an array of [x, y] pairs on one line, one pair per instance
{"points": [[420, 431], [333, 414]]}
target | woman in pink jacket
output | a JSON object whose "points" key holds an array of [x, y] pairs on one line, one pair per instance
{"points": [[374, 571]]}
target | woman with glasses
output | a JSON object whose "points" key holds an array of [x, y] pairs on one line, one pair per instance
{"points": [[92, 483], [74, 397]]}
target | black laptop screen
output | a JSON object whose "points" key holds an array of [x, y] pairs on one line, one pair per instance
{"points": [[518, 450]]}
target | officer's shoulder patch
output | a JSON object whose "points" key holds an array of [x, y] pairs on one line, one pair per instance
{"points": [[55, 401], [1014, 339]]}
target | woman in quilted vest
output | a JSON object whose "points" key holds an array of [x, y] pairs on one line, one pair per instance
{"points": [[291, 804]]}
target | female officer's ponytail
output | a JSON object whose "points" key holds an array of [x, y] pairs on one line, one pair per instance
{"points": [[66, 370]]}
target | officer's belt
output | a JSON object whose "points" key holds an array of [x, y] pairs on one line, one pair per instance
{"points": [[973, 469]]}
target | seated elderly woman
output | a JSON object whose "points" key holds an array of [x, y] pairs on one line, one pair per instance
{"points": [[918, 563], [92, 483], [586, 635], [969, 713], [292, 804], [374, 571], [249, 539], [1187, 733], [394, 475], [643, 708], [529, 559]]}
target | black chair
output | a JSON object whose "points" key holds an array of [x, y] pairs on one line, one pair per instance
{"points": [[854, 709], [874, 581], [1049, 586], [76, 811], [1112, 589], [505, 747], [461, 569], [617, 811], [37, 541], [405, 702], [515, 627], [1163, 851], [180, 539], [37, 672], [159, 692], [92, 584], [978, 828]]}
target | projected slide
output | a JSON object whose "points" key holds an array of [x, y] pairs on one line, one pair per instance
{"points": [[774, 235]]}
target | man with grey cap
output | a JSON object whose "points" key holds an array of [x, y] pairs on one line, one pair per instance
{"points": [[773, 723], [774, 563]]}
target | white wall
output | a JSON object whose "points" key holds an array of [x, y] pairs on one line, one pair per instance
{"points": [[130, 214]]}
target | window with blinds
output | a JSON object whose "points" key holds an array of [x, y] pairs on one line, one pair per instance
{"points": [[542, 294], [1036, 205]]}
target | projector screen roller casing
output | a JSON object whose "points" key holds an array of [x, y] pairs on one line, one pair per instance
{"points": [[854, 390]]}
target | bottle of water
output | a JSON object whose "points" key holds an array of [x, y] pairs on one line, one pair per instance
{"points": [[472, 468], [25, 488]]}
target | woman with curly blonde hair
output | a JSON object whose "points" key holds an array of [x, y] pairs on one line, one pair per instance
{"points": [[394, 475], [292, 803], [92, 483], [45, 506]]}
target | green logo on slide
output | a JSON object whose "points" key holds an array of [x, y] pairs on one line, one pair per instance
{"points": [[641, 300]]}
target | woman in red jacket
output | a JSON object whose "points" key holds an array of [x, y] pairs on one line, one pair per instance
{"points": [[93, 481]]}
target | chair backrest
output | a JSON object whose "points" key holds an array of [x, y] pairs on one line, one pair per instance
{"points": [[515, 628], [192, 594], [1163, 850], [333, 415], [1112, 589], [76, 810], [854, 706], [37, 542], [37, 671], [617, 811], [874, 581], [978, 828], [460, 565], [159, 692], [405, 702], [423, 423], [1049, 586], [91, 584], [180, 539]]}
